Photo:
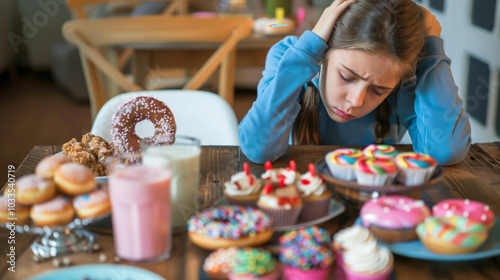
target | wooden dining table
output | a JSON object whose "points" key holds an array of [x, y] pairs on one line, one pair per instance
{"points": [[477, 177]]}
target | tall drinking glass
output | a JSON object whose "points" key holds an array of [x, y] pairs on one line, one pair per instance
{"points": [[184, 157], [140, 201]]}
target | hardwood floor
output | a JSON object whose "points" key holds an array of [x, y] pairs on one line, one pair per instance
{"points": [[35, 111]]}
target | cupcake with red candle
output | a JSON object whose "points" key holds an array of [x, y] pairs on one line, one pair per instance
{"points": [[275, 175], [281, 202], [243, 189], [315, 196]]}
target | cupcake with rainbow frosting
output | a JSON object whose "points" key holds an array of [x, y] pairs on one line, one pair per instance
{"points": [[380, 151], [305, 254], [375, 171], [341, 162], [414, 168]]}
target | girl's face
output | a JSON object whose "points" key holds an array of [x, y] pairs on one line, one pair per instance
{"points": [[353, 82]]}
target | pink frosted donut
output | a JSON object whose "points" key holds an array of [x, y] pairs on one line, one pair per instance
{"points": [[475, 210], [394, 218], [138, 109]]}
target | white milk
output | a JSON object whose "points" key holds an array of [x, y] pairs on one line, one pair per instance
{"points": [[185, 167]]}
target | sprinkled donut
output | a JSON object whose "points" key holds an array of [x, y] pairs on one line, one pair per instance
{"points": [[394, 218], [452, 235], [475, 210], [229, 225], [129, 114], [380, 151]]}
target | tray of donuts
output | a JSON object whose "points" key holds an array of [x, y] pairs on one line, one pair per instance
{"points": [[453, 229], [61, 192], [357, 175]]}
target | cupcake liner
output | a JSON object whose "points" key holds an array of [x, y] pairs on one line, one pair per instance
{"points": [[283, 217], [342, 172], [242, 201], [293, 273], [415, 176], [368, 179], [315, 209], [354, 275]]}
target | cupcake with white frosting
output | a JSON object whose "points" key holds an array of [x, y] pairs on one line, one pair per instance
{"points": [[287, 176], [368, 261], [281, 202], [347, 238], [315, 196], [243, 189]]}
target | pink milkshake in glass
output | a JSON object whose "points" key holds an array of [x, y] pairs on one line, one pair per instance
{"points": [[140, 201]]}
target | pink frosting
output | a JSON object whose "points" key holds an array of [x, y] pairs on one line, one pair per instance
{"points": [[93, 198], [56, 204], [32, 181], [464, 207], [394, 212]]}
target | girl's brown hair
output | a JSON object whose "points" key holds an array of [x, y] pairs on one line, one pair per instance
{"points": [[395, 27]]}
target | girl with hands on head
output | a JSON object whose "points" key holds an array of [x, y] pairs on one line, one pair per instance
{"points": [[368, 71]]}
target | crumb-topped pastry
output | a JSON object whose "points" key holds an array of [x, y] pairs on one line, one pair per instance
{"points": [[92, 151], [243, 189], [229, 225], [315, 196]]}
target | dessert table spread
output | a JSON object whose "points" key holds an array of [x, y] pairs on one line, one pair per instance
{"points": [[477, 177]]}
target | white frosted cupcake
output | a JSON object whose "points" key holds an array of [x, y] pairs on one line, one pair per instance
{"points": [[243, 189], [375, 172], [414, 168], [368, 261], [287, 176], [315, 196], [340, 162]]}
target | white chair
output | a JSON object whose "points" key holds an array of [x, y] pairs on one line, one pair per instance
{"points": [[201, 114]]}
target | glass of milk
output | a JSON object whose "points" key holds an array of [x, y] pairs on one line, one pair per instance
{"points": [[184, 159]]}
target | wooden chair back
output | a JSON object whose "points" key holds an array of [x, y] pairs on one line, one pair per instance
{"points": [[92, 35], [78, 6]]}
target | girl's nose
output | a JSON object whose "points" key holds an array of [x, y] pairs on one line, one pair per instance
{"points": [[357, 96]]}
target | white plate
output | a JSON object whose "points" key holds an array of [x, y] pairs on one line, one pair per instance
{"points": [[336, 208], [98, 272]]}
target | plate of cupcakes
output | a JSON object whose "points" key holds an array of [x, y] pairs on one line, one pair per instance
{"points": [[359, 175]]}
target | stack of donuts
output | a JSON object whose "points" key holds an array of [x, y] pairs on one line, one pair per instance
{"points": [[453, 226], [59, 189]]}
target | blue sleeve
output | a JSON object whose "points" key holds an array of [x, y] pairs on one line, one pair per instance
{"points": [[437, 123], [291, 63]]}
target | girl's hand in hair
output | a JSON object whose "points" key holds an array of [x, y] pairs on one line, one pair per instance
{"points": [[326, 22], [432, 25]]}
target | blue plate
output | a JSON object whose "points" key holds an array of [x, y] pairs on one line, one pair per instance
{"points": [[415, 249], [98, 272]]}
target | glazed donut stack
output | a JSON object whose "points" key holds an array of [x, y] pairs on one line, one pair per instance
{"points": [[454, 226], [59, 189], [380, 165]]}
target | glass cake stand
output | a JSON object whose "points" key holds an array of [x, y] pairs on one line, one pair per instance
{"points": [[61, 240]]}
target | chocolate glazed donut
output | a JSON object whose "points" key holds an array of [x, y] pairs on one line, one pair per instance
{"points": [[129, 114]]}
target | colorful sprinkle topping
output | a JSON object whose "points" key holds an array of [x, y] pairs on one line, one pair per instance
{"points": [[229, 221], [253, 261]]}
